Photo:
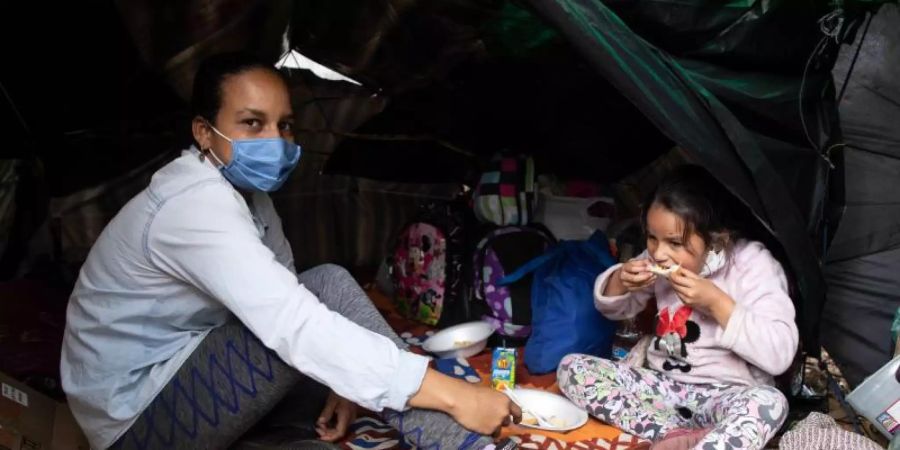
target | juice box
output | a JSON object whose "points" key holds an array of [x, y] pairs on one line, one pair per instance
{"points": [[503, 368]]}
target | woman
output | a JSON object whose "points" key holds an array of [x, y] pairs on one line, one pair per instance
{"points": [[188, 323]]}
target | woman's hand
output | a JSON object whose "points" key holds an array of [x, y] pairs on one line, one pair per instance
{"points": [[698, 292], [485, 411], [337, 415], [633, 276], [477, 408]]}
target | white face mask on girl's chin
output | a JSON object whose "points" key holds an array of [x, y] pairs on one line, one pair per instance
{"points": [[715, 261]]}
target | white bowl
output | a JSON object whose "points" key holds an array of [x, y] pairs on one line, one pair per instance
{"points": [[551, 406], [460, 341]]}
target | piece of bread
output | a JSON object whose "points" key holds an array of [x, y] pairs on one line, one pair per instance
{"points": [[558, 422], [528, 419], [664, 271]]}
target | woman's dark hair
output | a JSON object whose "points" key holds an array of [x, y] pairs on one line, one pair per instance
{"points": [[704, 204], [206, 98]]}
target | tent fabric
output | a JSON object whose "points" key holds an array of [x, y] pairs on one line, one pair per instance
{"points": [[22, 210], [78, 218], [481, 76], [751, 56], [558, 110], [863, 295], [175, 36], [869, 111], [8, 183], [862, 261]]}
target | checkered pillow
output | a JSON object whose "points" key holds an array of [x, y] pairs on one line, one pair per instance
{"points": [[505, 194]]}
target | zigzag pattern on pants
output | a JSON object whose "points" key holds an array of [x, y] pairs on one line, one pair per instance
{"points": [[412, 435], [162, 411]]}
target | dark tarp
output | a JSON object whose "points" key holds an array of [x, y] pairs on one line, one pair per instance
{"points": [[870, 111], [90, 109], [751, 55], [559, 110], [863, 294], [864, 257], [479, 76]]}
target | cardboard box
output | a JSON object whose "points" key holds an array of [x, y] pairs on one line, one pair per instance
{"points": [[30, 420]]}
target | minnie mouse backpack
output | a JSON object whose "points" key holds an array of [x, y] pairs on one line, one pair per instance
{"points": [[428, 263]]}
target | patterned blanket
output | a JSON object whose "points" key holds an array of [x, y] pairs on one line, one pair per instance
{"points": [[370, 433]]}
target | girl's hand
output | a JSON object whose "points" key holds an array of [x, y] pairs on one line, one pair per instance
{"points": [[636, 275], [698, 292], [632, 276]]}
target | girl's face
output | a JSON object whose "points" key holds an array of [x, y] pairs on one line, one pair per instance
{"points": [[666, 243], [255, 104]]}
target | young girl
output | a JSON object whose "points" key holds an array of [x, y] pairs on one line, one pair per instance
{"points": [[725, 326]]}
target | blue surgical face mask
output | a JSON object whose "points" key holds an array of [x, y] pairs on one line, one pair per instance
{"points": [[259, 164]]}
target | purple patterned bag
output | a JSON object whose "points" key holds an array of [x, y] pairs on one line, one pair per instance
{"points": [[500, 252]]}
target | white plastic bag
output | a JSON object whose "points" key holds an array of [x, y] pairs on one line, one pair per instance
{"points": [[568, 217]]}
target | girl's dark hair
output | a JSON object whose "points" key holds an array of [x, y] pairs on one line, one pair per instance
{"points": [[206, 98], [704, 204]]}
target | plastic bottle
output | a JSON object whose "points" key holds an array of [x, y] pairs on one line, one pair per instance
{"points": [[626, 336]]}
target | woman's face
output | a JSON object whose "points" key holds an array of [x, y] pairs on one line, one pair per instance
{"points": [[666, 244], [255, 104]]}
